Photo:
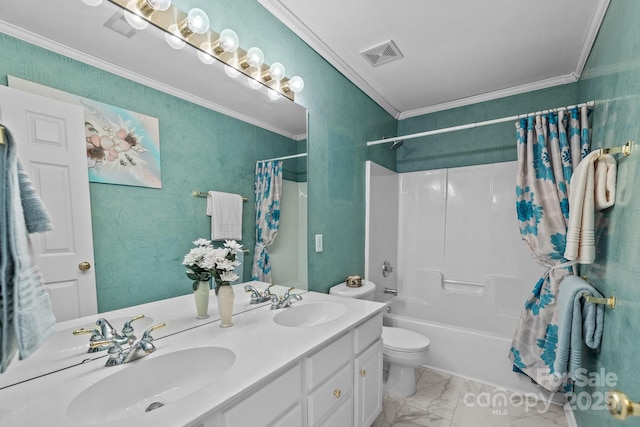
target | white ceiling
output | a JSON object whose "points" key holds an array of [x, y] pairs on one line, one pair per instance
{"points": [[76, 30], [456, 52]]}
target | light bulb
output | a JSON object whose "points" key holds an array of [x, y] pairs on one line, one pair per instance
{"points": [[198, 21], [92, 2], [296, 84], [174, 41], [205, 57], [273, 94], [228, 41], [158, 4], [254, 58], [135, 21], [231, 71], [276, 71], [253, 83]]}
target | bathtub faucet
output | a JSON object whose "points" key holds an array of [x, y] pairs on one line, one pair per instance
{"points": [[390, 291]]}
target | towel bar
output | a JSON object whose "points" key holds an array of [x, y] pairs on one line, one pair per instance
{"points": [[625, 149], [610, 302], [204, 194]]}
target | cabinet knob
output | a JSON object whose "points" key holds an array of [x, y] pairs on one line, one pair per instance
{"points": [[337, 393], [363, 373]]}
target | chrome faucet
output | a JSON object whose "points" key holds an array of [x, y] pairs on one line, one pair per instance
{"points": [[390, 291], [256, 296], [284, 301], [118, 356], [107, 333]]}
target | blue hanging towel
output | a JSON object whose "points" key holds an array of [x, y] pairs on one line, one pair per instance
{"points": [[579, 322]]}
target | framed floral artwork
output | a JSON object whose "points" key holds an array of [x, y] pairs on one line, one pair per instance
{"points": [[123, 147]]}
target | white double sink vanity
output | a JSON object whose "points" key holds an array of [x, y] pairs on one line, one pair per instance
{"points": [[316, 363]]}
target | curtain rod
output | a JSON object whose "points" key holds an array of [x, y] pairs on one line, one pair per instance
{"points": [[475, 125], [293, 156]]}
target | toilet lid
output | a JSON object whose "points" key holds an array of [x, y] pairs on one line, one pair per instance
{"points": [[401, 339]]}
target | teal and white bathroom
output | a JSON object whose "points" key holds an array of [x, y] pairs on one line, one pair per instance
{"points": [[391, 177]]}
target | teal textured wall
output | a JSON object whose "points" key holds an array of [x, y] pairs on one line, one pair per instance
{"points": [[489, 144], [612, 78]]}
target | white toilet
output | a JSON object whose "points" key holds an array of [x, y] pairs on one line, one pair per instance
{"points": [[403, 350]]}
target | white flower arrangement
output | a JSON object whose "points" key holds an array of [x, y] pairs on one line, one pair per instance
{"points": [[204, 262]]}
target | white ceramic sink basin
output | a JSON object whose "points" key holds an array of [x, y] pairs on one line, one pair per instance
{"points": [[310, 314], [150, 382]]}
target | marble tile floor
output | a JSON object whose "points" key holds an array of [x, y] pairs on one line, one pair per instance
{"points": [[443, 400]]}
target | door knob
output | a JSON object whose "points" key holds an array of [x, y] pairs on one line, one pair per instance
{"points": [[84, 266], [620, 406]]}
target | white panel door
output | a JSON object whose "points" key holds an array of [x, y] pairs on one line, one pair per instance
{"points": [[49, 138]]}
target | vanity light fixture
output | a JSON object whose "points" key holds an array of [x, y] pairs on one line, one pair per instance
{"points": [[227, 42], [196, 22], [276, 72], [253, 59], [295, 85], [193, 28]]}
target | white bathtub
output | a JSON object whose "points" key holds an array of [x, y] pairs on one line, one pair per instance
{"points": [[460, 349]]}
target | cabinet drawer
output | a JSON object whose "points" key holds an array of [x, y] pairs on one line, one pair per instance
{"points": [[270, 402], [325, 362], [367, 333], [330, 394], [342, 416]]}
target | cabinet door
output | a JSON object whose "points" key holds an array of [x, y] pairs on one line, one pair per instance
{"points": [[368, 385]]}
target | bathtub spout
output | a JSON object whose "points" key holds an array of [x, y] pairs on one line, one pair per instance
{"points": [[391, 291]]}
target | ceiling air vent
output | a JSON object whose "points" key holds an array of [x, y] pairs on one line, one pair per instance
{"points": [[119, 24], [383, 53]]}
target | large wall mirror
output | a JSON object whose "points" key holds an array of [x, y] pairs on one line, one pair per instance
{"points": [[212, 128]]}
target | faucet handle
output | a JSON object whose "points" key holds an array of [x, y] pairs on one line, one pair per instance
{"points": [[146, 336], [106, 329], [115, 353], [267, 291], [81, 331], [127, 329]]}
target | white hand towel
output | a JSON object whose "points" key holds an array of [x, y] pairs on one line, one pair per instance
{"points": [[225, 210], [593, 186], [605, 181], [580, 232]]}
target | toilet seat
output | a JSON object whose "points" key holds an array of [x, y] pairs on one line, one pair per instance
{"points": [[403, 340]]}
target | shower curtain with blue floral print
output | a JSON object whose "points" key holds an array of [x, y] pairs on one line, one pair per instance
{"points": [[550, 146], [268, 188]]}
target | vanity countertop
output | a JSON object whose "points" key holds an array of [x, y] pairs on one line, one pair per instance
{"points": [[263, 350], [63, 349]]}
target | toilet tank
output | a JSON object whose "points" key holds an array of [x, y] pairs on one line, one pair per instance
{"points": [[365, 291]]}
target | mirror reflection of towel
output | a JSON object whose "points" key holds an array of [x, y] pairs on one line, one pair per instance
{"points": [[225, 210]]}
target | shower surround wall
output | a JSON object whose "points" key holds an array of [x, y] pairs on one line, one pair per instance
{"points": [[460, 264]]}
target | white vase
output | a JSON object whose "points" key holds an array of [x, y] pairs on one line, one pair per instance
{"points": [[201, 295], [225, 305]]}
